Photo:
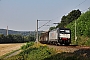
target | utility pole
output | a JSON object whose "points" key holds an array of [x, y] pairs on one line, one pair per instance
{"points": [[75, 33], [7, 31], [37, 32], [40, 27]]}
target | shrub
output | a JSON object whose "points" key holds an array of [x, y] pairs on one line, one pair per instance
{"points": [[82, 27], [27, 45]]}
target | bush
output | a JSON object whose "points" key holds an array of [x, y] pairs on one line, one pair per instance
{"points": [[27, 45], [33, 53], [82, 27], [40, 53]]}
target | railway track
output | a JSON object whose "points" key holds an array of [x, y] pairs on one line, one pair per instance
{"points": [[63, 48], [70, 48]]}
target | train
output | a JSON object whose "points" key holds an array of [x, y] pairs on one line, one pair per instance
{"points": [[59, 36]]}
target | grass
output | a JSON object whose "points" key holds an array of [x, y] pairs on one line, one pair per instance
{"points": [[41, 52], [35, 52], [4, 56], [28, 44]]}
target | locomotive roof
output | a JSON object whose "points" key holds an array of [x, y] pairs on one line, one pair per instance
{"points": [[60, 29], [64, 28]]}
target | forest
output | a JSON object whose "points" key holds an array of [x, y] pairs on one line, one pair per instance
{"points": [[16, 38]]}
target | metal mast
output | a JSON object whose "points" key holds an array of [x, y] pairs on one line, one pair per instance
{"points": [[7, 31]]}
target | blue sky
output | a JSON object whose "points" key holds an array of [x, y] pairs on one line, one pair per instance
{"points": [[21, 15]]}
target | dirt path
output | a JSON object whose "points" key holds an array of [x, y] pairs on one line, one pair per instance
{"points": [[6, 48], [13, 54]]}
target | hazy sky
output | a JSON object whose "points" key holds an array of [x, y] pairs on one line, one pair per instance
{"points": [[22, 14]]}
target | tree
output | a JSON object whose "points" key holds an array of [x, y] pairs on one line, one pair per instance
{"points": [[51, 28], [60, 25], [18, 38], [9, 38], [89, 8], [2, 38], [73, 15]]}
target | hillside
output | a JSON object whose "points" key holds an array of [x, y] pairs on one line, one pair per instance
{"points": [[82, 29], [3, 31]]}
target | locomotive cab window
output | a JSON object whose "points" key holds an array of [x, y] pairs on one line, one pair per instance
{"points": [[62, 31], [67, 31]]}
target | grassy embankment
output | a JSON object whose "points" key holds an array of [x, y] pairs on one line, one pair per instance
{"points": [[82, 29], [32, 51], [4, 56]]}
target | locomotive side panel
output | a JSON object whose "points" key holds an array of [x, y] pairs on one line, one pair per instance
{"points": [[53, 35]]}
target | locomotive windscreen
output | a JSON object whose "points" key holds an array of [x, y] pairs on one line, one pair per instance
{"points": [[64, 33]]}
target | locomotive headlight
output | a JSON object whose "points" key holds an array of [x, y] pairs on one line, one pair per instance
{"points": [[60, 38], [68, 40]]}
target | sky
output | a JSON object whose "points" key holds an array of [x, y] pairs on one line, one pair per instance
{"points": [[21, 15]]}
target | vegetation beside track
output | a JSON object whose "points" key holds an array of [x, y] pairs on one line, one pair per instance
{"points": [[39, 51], [82, 29]]}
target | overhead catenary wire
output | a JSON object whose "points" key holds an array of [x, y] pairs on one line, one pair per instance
{"points": [[44, 24], [65, 13], [81, 3], [57, 17], [74, 7]]}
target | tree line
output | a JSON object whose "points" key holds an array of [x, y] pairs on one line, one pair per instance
{"points": [[16, 38], [65, 20]]}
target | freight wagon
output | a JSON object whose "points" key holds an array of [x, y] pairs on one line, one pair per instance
{"points": [[44, 37]]}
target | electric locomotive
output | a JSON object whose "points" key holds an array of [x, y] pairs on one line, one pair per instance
{"points": [[57, 36]]}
